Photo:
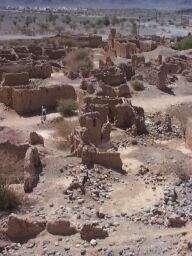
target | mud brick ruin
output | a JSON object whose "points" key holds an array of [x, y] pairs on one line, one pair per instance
{"points": [[110, 162], [125, 47]]}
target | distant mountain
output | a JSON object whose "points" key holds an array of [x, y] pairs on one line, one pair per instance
{"points": [[102, 4]]}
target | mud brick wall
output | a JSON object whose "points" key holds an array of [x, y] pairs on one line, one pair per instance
{"points": [[30, 100], [15, 79], [6, 95], [108, 159], [147, 46]]}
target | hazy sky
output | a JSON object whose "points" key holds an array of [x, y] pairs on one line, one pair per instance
{"points": [[101, 3]]}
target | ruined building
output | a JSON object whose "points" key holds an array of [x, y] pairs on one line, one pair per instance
{"points": [[125, 47]]}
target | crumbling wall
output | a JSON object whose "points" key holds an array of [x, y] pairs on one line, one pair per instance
{"points": [[9, 56], [127, 70], [111, 102], [106, 90], [137, 61], [147, 45], [128, 116], [93, 124], [55, 53], [30, 100], [12, 161], [156, 76], [6, 95], [32, 169], [41, 71], [107, 159], [188, 133], [111, 77], [125, 49], [172, 68], [15, 79], [103, 111], [36, 50], [12, 68]]}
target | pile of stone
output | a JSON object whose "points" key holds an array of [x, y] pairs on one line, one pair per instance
{"points": [[162, 126], [174, 210]]}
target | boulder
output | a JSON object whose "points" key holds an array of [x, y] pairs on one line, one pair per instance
{"points": [[107, 90], [123, 90], [32, 168], [128, 116], [35, 139], [61, 227], [90, 88], [72, 75], [83, 85], [90, 231], [176, 221], [21, 228]]}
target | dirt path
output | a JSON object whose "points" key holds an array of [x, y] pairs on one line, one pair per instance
{"points": [[160, 103], [15, 121]]}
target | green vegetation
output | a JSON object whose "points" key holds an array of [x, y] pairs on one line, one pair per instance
{"points": [[134, 29], [79, 59], [9, 198], [104, 21], [67, 19], [72, 43], [67, 107], [83, 55], [43, 27], [137, 85], [52, 18], [115, 21], [184, 44], [2, 18]]}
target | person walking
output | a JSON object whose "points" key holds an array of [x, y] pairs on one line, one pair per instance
{"points": [[43, 115]]}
